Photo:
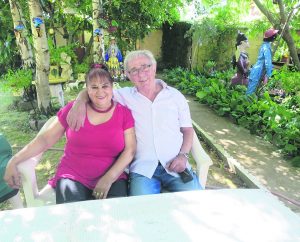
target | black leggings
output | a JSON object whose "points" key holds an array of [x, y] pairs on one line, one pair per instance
{"points": [[68, 190]]}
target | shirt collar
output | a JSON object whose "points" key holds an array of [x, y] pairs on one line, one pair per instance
{"points": [[267, 43], [161, 82]]}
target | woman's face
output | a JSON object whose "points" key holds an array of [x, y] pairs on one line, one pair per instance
{"points": [[245, 44], [100, 92]]}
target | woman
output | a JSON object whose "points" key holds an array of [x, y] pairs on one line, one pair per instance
{"points": [[263, 67], [95, 157], [242, 64]]}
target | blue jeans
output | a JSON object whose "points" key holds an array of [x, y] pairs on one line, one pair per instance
{"points": [[141, 185]]}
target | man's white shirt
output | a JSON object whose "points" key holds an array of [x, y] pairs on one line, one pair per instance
{"points": [[157, 126]]}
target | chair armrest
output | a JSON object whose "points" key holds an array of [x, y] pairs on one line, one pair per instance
{"points": [[27, 171], [33, 196], [16, 201], [202, 160]]}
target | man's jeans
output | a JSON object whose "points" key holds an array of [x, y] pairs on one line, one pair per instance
{"points": [[161, 180]]}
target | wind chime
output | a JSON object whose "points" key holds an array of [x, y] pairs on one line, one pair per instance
{"points": [[19, 30], [37, 24], [97, 35]]}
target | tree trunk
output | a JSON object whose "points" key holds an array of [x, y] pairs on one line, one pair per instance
{"points": [[98, 48], [42, 57], [88, 49], [279, 24], [21, 35], [287, 35]]}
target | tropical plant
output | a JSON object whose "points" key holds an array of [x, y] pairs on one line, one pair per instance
{"points": [[278, 123], [55, 52], [213, 40], [16, 80], [280, 14]]}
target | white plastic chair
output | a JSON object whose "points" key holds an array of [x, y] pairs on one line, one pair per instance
{"points": [[46, 196], [33, 196], [202, 159], [16, 201]]}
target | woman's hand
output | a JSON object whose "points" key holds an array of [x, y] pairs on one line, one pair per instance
{"points": [[12, 176], [102, 187]]}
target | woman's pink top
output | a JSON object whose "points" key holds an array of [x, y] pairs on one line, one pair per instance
{"points": [[92, 150]]}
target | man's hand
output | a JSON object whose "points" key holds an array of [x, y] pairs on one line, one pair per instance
{"points": [[12, 176], [102, 188], [178, 164], [76, 115]]}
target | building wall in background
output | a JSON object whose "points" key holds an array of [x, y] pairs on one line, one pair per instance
{"points": [[200, 54], [255, 44], [152, 42]]}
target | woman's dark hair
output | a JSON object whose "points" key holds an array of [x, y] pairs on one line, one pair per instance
{"points": [[240, 37], [271, 39], [98, 71]]}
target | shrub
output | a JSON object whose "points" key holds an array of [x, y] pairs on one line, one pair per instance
{"points": [[16, 80], [278, 123]]}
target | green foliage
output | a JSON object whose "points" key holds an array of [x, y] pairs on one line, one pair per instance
{"points": [[55, 52], [215, 40], [16, 80], [278, 123], [8, 50], [135, 19], [290, 80], [81, 68], [175, 46]]}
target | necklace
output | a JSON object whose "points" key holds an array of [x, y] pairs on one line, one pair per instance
{"points": [[103, 111]]}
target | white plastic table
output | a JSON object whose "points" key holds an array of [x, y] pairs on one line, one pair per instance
{"points": [[210, 215]]}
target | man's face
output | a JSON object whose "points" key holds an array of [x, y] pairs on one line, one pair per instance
{"points": [[141, 72]]}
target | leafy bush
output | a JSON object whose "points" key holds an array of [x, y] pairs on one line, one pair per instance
{"points": [[81, 68], [289, 81], [278, 123], [55, 52], [16, 80]]}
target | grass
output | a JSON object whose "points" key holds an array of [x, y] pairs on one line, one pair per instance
{"points": [[14, 125]]}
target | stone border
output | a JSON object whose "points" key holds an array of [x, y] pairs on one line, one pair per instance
{"points": [[233, 164]]}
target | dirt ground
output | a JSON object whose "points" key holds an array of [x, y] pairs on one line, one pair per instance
{"points": [[219, 175]]}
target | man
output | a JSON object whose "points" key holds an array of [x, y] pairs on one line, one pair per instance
{"points": [[262, 69], [163, 128]]}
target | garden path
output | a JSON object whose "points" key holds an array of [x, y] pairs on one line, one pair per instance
{"points": [[260, 158]]}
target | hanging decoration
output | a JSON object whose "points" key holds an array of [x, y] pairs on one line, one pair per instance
{"points": [[113, 26], [37, 24], [97, 34], [19, 29], [51, 31]]}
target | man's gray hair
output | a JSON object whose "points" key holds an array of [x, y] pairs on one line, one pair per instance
{"points": [[138, 53]]}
